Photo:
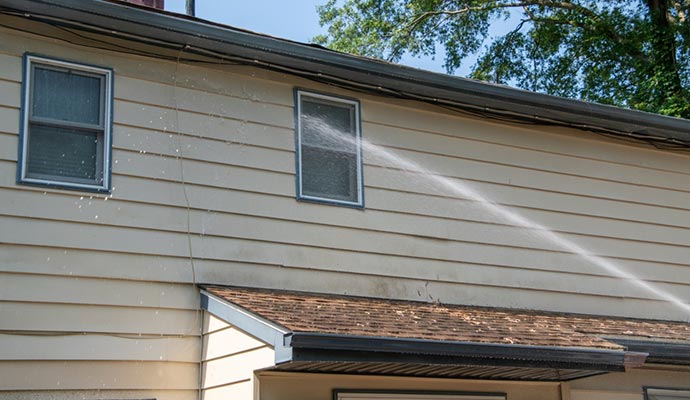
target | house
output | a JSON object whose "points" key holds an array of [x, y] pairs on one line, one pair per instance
{"points": [[191, 210]]}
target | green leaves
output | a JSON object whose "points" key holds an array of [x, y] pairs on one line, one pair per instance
{"points": [[627, 53]]}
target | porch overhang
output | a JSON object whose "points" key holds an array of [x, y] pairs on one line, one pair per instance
{"points": [[319, 350]]}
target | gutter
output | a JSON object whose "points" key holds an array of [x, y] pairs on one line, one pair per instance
{"points": [[659, 352], [347, 70]]}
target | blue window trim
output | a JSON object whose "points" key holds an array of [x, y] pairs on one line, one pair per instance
{"points": [[298, 93], [108, 74]]}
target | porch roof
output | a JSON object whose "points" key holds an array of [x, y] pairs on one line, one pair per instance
{"points": [[336, 333]]}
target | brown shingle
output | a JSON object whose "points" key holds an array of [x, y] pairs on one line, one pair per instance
{"points": [[348, 315]]}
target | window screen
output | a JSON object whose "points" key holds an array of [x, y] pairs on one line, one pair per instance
{"points": [[329, 149], [66, 130]]}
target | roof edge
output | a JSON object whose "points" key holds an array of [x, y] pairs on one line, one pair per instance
{"points": [[582, 358], [379, 75]]}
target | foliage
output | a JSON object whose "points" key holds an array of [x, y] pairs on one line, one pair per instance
{"points": [[629, 53]]}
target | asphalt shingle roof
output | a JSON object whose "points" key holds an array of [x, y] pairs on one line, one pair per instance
{"points": [[360, 316]]}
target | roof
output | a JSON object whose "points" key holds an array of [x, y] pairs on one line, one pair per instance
{"points": [[323, 330], [195, 36], [362, 316]]}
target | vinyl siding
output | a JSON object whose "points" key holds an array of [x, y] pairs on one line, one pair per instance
{"points": [[231, 136], [629, 385], [294, 386], [229, 359], [204, 191]]}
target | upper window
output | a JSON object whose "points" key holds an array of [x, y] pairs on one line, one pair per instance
{"points": [[329, 156], [65, 139]]}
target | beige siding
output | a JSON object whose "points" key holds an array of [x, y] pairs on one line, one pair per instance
{"points": [[295, 386], [101, 286], [102, 394], [231, 138], [229, 359], [120, 375], [629, 385], [614, 386]]}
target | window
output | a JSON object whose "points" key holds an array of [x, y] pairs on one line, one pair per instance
{"points": [[329, 156], [666, 394], [66, 118], [407, 395]]}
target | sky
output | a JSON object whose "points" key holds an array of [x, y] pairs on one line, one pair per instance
{"points": [[290, 19]]}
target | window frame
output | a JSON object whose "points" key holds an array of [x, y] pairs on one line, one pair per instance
{"points": [[102, 130], [329, 98], [651, 392], [378, 394]]}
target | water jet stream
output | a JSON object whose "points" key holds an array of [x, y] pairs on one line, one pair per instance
{"points": [[456, 187]]}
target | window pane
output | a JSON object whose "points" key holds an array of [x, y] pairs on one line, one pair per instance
{"points": [[328, 125], [329, 174], [63, 152], [66, 95]]}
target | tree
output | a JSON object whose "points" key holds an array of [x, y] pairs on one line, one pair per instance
{"points": [[629, 53]]}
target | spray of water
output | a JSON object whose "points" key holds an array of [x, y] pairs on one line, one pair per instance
{"points": [[459, 188]]}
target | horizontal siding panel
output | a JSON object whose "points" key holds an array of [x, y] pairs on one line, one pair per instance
{"points": [[543, 138], [79, 290], [99, 347], [96, 237], [228, 341], [280, 276], [93, 237], [245, 86], [458, 146], [9, 121], [96, 264], [10, 94], [459, 169], [243, 390], [411, 216], [604, 395], [229, 152], [17, 316], [155, 115], [459, 240], [8, 147], [189, 394], [103, 375], [204, 132], [546, 200], [484, 148], [213, 324], [236, 367], [229, 177], [197, 84], [10, 65], [392, 266], [487, 173], [152, 77]]}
